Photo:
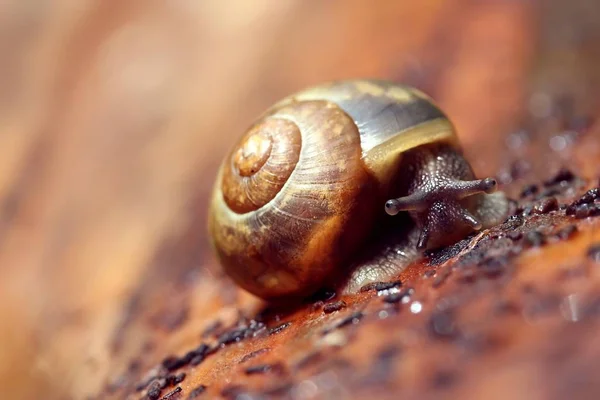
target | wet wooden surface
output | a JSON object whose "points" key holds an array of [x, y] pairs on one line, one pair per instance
{"points": [[114, 116]]}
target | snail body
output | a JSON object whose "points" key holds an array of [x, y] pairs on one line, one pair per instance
{"points": [[314, 176]]}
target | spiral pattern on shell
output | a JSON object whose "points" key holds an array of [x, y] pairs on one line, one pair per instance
{"points": [[261, 164]]}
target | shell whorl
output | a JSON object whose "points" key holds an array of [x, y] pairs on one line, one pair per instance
{"points": [[261, 164], [293, 235]]}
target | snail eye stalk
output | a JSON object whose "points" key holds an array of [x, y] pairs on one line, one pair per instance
{"points": [[450, 194]]}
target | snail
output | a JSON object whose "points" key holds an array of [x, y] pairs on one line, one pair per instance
{"points": [[324, 170]]}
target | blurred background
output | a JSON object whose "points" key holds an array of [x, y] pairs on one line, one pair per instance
{"points": [[114, 116]]}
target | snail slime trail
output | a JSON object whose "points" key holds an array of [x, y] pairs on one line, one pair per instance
{"points": [[313, 175]]}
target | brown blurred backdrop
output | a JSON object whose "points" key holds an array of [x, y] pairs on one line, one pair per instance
{"points": [[114, 115]]}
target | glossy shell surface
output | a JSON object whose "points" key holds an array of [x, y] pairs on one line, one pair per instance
{"points": [[304, 185]]}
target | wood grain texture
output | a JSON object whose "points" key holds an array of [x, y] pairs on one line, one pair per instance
{"points": [[114, 117]]}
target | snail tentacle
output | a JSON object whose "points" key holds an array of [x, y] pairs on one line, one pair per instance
{"points": [[421, 200], [458, 189], [471, 220], [442, 195], [469, 188], [415, 201]]}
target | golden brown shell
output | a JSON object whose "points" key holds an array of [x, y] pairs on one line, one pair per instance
{"points": [[302, 188]]}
